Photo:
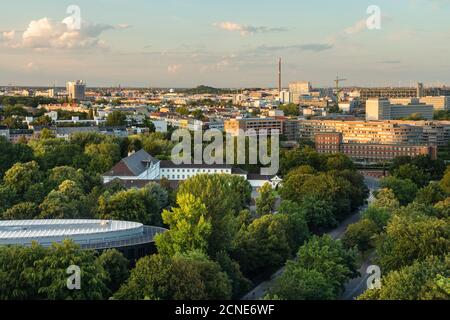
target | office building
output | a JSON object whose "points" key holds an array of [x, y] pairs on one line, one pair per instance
{"points": [[300, 87], [382, 109], [76, 90]]}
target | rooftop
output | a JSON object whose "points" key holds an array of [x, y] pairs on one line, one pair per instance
{"points": [[87, 233]]}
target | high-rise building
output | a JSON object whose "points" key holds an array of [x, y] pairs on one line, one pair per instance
{"points": [[76, 90], [285, 97], [300, 87]]}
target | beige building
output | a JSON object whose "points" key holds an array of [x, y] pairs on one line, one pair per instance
{"points": [[300, 87], [382, 109], [234, 126], [439, 103]]}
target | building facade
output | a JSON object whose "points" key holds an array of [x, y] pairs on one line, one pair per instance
{"points": [[76, 90], [271, 125], [382, 109], [330, 143], [141, 166]]}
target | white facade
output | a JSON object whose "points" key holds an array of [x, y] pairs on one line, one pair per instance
{"points": [[382, 109], [184, 173]]}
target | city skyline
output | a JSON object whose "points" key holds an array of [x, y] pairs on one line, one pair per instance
{"points": [[188, 43]]}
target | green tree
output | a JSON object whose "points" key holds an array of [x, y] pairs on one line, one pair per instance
{"points": [[223, 198], [330, 258], [21, 176], [411, 237], [339, 161], [116, 265], [265, 203], [22, 211], [189, 229], [361, 235], [137, 205], [37, 273], [290, 109], [423, 280], [413, 173], [65, 202], [298, 224], [116, 119], [182, 277], [10, 154], [404, 189], [319, 213], [445, 182], [239, 282], [299, 283], [430, 194], [378, 215], [386, 199], [263, 245], [103, 156]]}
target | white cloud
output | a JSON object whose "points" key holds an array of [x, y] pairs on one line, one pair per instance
{"points": [[245, 30], [174, 68], [359, 26], [45, 33], [9, 35]]}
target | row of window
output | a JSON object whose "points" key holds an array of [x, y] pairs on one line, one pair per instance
{"points": [[195, 170]]}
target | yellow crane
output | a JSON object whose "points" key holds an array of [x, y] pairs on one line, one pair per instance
{"points": [[337, 82]]}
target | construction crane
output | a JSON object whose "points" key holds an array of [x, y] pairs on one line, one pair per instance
{"points": [[337, 82]]}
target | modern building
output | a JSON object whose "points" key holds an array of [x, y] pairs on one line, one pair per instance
{"points": [[142, 166], [438, 103], [76, 90], [133, 239], [300, 87], [383, 132], [330, 143], [382, 109], [286, 97], [235, 126], [400, 92]]}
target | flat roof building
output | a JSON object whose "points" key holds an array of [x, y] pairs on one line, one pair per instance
{"points": [[382, 109]]}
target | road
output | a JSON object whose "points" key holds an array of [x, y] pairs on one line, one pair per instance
{"points": [[353, 287]]}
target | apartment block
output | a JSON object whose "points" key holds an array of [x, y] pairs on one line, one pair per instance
{"points": [[332, 142], [272, 125]]}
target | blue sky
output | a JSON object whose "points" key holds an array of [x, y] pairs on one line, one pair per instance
{"points": [[182, 43]]}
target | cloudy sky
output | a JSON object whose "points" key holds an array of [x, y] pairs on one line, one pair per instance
{"points": [[232, 43]]}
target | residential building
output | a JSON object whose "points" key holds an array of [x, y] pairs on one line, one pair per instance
{"points": [[235, 126], [332, 142]]}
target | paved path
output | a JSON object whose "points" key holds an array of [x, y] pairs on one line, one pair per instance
{"points": [[355, 285]]}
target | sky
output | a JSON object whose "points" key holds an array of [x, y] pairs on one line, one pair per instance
{"points": [[224, 43]]}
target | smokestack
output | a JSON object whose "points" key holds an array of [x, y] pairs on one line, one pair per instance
{"points": [[279, 76]]}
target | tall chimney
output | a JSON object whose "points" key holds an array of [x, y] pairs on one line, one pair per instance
{"points": [[279, 76]]}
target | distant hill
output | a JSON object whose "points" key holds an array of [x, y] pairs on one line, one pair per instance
{"points": [[206, 90]]}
